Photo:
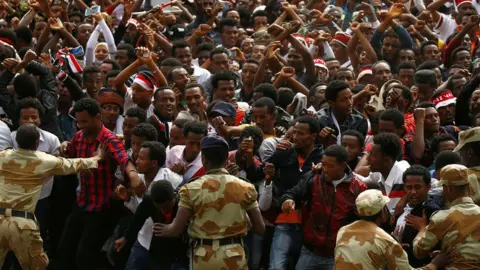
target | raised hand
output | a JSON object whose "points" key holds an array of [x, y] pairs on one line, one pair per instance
{"points": [[396, 10], [287, 72], [55, 23], [269, 171], [203, 30], [272, 49]]}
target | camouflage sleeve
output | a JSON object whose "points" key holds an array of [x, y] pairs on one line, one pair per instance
{"points": [[185, 199], [397, 258], [423, 244], [66, 166]]}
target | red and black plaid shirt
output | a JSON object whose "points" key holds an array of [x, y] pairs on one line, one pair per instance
{"points": [[97, 186]]}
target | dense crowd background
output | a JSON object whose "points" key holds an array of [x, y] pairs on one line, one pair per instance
{"points": [[318, 101]]}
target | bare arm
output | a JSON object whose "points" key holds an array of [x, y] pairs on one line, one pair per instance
{"points": [[433, 7], [124, 75], [27, 18], [255, 216], [43, 39]]}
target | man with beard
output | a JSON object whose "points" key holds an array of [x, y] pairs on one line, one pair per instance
{"points": [[336, 181], [178, 78], [182, 51], [195, 98], [340, 116], [418, 144], [249, 70], [164, 102], [219, 62], [382, 73], [111, 103]]}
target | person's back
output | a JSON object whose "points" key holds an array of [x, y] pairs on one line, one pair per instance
{"points": [[22, 173], [457, 227], [364, 245], [220, 201]]}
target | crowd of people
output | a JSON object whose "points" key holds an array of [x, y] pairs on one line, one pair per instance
{"points": [[239, 134]]}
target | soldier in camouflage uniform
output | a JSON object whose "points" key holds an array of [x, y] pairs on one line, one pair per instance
{"points": [[22, 173], [468, 147], [364, 245], [217, 203], [458, 226]]}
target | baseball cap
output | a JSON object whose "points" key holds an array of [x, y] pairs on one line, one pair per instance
{"points": [[467, 136], [370, 202], [454, 175], [213, 141], [224, 109]]}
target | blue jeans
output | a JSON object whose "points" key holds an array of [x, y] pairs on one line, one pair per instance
{"points": [[308, 261], [254, 245], [286, 243], [138, 259]]}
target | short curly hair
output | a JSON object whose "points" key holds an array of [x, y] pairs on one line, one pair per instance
{"points": [[28, 103], [418, 170], [390, 145], [145, 130]]}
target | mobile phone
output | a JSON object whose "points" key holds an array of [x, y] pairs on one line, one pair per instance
{"points": [[96, 10], [232, 53], [88, 12]]}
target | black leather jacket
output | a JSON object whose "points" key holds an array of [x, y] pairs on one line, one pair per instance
{"points": [[47, 95], [353, 121]]}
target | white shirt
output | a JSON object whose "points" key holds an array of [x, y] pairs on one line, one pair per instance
{"points": [[393, 181], [119, 126], [5, 137], [49, 144], [201, 74], [445, 27], [175, 155], [146, 233]]}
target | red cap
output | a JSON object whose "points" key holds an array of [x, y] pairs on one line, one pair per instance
{"points": [[341, 38]]}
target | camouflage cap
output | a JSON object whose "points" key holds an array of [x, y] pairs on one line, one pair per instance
{"points": [[370, 202], [467, 136], [454, 174]]}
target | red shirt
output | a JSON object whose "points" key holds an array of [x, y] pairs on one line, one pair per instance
{"points": [[97, 186]]}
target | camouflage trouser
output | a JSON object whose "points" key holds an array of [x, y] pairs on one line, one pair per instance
{"points": [[229, 257], [22, 236]]}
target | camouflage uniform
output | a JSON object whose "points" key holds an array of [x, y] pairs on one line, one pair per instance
{"points": [[457, 227], [364, 245], [21, 179], [465, 137], [219, 203]]}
